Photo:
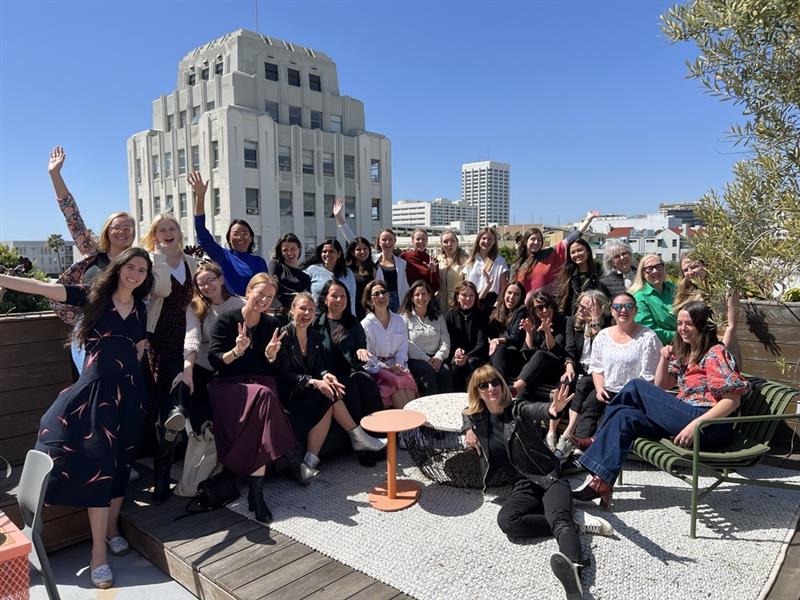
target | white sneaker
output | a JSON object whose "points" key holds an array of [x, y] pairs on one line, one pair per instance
{"points": [[591, 525], [564, 446], [567, 573]]}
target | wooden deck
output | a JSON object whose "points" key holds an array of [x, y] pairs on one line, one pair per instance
{"points": [[224, 556]]}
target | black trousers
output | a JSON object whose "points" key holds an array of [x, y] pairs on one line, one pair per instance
{"points": [[508, 362], [532, 512], [362, 396], [429, 381], [541, 367], [462, 374], [587, 405]]}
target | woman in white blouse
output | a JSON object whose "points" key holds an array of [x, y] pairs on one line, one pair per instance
{"points": [[486, 268], [620, 353], [387, 344], [428, 340]]}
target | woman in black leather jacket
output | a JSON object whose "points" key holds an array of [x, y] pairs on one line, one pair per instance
{"points": [[505, 434]]}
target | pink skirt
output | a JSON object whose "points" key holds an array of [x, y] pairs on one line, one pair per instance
{"points": [[389, 382]]}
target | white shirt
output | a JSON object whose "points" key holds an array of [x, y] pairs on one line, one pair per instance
{"points": [[388, 344], [427, 338], [474, 273], [619, 363]]}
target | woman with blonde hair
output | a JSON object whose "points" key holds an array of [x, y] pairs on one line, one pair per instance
{"points": [[505, 434], [654, 295], [486, 268], [452, 261]]}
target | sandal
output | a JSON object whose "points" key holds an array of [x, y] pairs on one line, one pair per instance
{"points": [[102, 577], [118, 545]]}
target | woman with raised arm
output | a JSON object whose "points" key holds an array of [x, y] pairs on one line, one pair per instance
{"points": [[419, 264], [538, 267], [428, 340], [506, 336], [452, 267], [467, 326], [328, 263], [90, 429], [486, 268], [387, 343], [618, 266], [578, 275], [505, 434], [251, 430], [654, 296], [709, 385], [238, 262], [285, 267], [166, 326]]}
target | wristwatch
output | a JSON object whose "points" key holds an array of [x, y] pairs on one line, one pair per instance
{"points": [[236, 353]]}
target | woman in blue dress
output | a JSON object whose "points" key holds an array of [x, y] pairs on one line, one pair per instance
{"points": [[90, 429]]}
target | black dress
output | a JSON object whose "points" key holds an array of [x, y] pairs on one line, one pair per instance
{"points": [[290, 282], [90, 429]]}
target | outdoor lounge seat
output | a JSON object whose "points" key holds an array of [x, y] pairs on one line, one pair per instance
{"points": [[760, 412]]}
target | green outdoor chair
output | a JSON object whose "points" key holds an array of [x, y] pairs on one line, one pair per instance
{"points": [[760, 412]]}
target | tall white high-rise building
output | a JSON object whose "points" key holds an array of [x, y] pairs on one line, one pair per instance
{"points": [[439, 213], [486, 185], [263, 121]]}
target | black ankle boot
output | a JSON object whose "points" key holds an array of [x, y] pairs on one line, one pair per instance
{"points": [[255, 499]]}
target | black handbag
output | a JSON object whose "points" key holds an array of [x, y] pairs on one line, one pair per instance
{"points": [[213, 493]]}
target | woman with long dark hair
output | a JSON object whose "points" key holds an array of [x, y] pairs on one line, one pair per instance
{"points": [[709, 385], [467, 325], [238, 262], [506, 336], [578, 275], [359, 260], [90, 429], [285, 267], [486, 268], [328, 263]]}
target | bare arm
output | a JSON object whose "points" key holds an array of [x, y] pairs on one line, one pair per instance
{"points": [[54, 291], [587, 220], [57, 158], [733, 319], [199, 188], [663, 379]]}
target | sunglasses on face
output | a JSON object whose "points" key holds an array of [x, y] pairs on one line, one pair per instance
{"points": [[618, 306], [654, 268], [541, 306], [379, 294], [484, 385]]}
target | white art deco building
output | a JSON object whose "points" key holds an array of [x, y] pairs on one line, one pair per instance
{"points": [[263, 121], [486, 185]]}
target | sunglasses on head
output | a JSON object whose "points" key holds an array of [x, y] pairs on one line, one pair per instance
{"points": [[618, 306], [484, 385]]}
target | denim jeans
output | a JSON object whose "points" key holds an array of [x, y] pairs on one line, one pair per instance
{"points": [[642, 409]]}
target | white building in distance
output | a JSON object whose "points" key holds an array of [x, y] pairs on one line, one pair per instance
{"points": [[437, 214], [605, 223], [263, 121], [42, 256], [486, 185], [667, 243]]}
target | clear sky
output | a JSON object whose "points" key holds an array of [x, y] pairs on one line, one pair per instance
{"points": [[586, 100]]}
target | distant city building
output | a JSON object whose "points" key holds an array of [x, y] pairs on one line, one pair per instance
{"points": [[685, 211], [486, 186], [667, 243], [264, 122], [437, 214], [604, 223], [42, 256]]}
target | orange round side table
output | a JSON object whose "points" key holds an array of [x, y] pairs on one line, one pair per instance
{"points": [[393, 495]]}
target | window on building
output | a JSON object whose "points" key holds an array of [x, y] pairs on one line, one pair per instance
{"points": [[210, 105], [375, 169], [195, 115], [327, 205], [309, 200], [182, 119], [336, 123], [157, 205], [350, 207], [251, 201], [140, 208], [308, 162], [293, 77], [156, 167], [327, 164], [316, 119], [214, 154], [349, 166], [168, 164], [219, 68], [271, 71], [284, 158], [170, 122], [314, 82], [138, 170], [216, 201], [168, 207], [192, 78], [376, 209], [295, 115], [271, 108], [181, 161], [674, 243], [182, 204], [204, 73], [285, 200], [251, 155], [195, 158]]}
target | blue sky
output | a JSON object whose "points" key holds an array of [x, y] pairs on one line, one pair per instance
{"points": [[586, 100]]}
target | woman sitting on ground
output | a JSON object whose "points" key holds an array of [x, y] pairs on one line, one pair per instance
{"points": [[309, 391], [506, 336], [486, 268], [709, 385], [359, 261], [467, 326], [654, 296], [345, 344], [620, 353], [285, 268], [387, 343], [428, 340], [452, 262], [251, 430], [328, 263], [579, 275], [618, 267], [540, 503], [238, 262]]}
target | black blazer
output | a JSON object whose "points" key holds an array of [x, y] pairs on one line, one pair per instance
{"points": [[515, 337], [559, 334], [578, 285], [353, 340], [468, 331], [223, 338], [294, 372]]}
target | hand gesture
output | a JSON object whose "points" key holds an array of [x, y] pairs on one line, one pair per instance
{"points": [[471, 441], [526, 325], [666, 352], [569, 373], [460, 357], [274, 345], [493, 344], [331, 387], [57, 158], [602, 394], [436, 363], [546, 326], [363, 355], [561, 398], [242, 340], [338, 210], [596, 311], [196, 181], [592, 214]]}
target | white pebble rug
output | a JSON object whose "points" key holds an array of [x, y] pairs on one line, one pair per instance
{"points": [[448, 545]]}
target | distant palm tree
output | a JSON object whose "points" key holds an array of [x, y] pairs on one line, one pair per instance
{"points": [[56, 243]]}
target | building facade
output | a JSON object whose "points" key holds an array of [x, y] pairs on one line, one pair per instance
{"points": [[265, 124], [667, 243], [437, 214], [685, 211], [486, 186], [42, 256], [605, 223]]}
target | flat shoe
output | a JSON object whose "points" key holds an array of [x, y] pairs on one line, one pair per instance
{"points": [[118, 545], [102, 577]]}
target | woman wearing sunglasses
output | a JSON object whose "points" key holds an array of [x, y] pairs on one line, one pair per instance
{"points": [[654, 296], [619, 354], [709, 385], [505, 434]]}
